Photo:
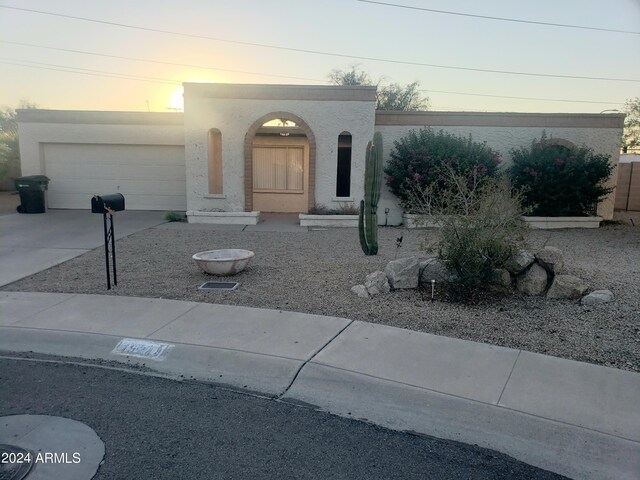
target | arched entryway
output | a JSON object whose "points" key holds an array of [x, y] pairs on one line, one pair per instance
{"points": [[280, 164]]}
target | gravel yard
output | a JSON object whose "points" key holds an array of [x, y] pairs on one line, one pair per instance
{"points": [[314, 271]]}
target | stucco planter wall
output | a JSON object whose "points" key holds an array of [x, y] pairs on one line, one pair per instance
{"points": [[328, 220], [223, 218], [550, 223], [411, 220]]}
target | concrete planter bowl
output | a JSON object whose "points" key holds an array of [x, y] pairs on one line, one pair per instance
{"points": [[223, 262]]}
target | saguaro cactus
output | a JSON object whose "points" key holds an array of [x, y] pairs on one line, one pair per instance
{"points": [[368, 219]]}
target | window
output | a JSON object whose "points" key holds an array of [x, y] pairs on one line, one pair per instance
{"points": [[215, 161], [278, 169], [343, 182]]}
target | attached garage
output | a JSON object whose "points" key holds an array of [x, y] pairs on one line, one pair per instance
{"points": [[140, 155], [151, 177]]}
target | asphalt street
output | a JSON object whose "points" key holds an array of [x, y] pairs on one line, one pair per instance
{"points": [[158, 428]]}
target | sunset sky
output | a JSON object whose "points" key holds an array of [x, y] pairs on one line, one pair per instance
{"points": [[68, 63]]}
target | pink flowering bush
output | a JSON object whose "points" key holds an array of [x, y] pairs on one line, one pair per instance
{"points": [[560, 181], [419, 160]]}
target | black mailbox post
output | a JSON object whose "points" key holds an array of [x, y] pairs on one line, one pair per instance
{"points": [[108, 205], [104, 203]]}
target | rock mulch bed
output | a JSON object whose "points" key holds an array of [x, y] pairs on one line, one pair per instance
{"points": [[314, 271]]}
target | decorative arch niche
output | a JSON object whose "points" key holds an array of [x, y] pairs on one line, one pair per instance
{"points": [[561, 142], [248, 155]]}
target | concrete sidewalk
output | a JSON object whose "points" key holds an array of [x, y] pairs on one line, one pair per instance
{"points": [[573, 418]]}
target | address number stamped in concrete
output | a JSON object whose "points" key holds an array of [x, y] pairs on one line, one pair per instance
{"points": [[134, 347]]}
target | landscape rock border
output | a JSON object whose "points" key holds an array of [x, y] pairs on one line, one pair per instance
{"points": [[539, 274]]}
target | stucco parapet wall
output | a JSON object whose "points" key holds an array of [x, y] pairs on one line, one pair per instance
{"points": [[475, 119], [281, 92], [101, 118]]}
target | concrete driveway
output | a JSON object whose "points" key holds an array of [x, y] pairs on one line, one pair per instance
{"points": [[30, 243]]}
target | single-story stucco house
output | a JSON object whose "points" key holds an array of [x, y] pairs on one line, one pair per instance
{"points": [[243, 149]]}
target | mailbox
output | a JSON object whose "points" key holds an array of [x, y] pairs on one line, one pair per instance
{"points": [[113, 201]]}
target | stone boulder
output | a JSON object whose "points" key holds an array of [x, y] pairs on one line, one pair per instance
{"points": [[377, 283], [519, 262], [360, 290], [566, 287], [403, 273], [597, 296], [434, 269], [552, 259], [533, 281]]}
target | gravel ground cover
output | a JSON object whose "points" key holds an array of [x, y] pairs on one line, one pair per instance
{"points": [[314, 271]]}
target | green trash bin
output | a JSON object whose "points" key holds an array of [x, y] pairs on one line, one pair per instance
{"points": [[31, 189]]}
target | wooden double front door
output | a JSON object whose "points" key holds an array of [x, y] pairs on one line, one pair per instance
{"points": [[280, 175]]}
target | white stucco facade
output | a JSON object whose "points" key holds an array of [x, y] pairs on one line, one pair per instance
{"points": [[162, 160], [234, 109]]}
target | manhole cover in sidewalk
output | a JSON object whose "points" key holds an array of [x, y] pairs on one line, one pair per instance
{"points": [[219, 286], [15, 462]]}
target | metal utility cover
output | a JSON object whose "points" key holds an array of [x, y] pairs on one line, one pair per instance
{"points": [[219, 286], [19, 469]]}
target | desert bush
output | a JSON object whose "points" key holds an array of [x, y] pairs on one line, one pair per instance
{"points": [[422, 157], [480, 226], [558, 180], [172, 216]]}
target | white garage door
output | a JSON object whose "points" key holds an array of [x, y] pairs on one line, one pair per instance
{"points": [[151, 177]]}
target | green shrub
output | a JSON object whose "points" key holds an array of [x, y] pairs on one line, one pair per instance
{"points": [[480, 228], [612, 223], [172, 216], [421, 157], [558, 180]]}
